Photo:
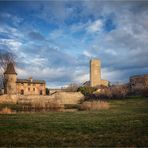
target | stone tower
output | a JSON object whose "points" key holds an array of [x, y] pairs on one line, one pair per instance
{"points": [[10, 77], [95, 72]]}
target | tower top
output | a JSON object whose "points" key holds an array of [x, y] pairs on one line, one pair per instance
{"points": [[95, 72], [95, 59], [10, 69]]}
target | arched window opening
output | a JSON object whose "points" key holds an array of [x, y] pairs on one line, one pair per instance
{"points": [[41, 92], [22, 91]]}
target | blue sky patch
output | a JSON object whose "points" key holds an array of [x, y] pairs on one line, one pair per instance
{"points": [[54, 40]]}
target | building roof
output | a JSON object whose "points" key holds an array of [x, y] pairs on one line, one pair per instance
{"points": [[10, 69], [30, 81]]}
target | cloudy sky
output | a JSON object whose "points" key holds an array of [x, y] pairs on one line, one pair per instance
{"points": [[54, 40]]}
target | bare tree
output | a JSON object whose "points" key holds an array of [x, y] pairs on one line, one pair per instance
{"points": [[5, 58], [73, 87]]}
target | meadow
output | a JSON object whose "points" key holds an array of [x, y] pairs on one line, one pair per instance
{"points": [[125, 123]]}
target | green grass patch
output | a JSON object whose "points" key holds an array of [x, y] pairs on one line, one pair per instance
{"points": [[125, 123]]}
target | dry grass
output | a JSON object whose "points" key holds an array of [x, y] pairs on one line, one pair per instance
{"points": [[124, 124], [94, 105], [38, 105], [53, 106], [6, 110]]}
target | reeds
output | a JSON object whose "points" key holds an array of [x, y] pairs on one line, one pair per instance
{"points": [[6, 110], [40, 105], [94, 105]]}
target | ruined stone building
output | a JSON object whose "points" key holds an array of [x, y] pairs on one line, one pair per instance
{"points": [[138, 82], [95, 74], [22, 86], [13, 85]]}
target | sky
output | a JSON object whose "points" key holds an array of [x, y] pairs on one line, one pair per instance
{"points": [[55, 40]]}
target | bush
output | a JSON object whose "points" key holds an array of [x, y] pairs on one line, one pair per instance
{"points": [[86, 90], [120, 91], [144, 92], [114, 92], [73, 87]]}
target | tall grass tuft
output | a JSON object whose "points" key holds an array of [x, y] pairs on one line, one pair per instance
{"points": [[6, 110], [94, 105], [40, 105]]}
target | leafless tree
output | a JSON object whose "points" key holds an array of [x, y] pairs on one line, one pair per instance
{"points": [[73, 87], [5, 58]]}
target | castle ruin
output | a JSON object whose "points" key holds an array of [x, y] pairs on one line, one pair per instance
{"points": [[13, 85], [95, 74], [22, 86], [138, 82]]}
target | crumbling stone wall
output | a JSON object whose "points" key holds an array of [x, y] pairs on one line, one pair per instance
{"points": [[138, 82]]}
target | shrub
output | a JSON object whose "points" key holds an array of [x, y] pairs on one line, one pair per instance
{"points": [[86, 90], [94, 105], [119, 91], [114, 92], [73, 87], [144, 92]]}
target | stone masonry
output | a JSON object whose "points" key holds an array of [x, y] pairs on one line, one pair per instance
{"points": [[95, 74], [138, 82], [22, 86]]}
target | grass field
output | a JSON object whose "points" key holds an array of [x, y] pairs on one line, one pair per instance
{"points": [[124, 124]]}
